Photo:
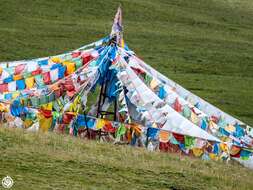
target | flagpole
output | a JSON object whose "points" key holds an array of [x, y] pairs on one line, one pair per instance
{"points": [[117, 28]]}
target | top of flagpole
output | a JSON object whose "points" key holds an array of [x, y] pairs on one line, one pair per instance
{"points": [[117, 28]]}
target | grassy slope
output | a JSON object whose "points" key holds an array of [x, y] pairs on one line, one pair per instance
{"points": [[47, 161], [205, 45]]}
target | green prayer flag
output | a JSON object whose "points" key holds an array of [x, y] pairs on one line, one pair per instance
{"points": [[121, 131], [189, 141]]}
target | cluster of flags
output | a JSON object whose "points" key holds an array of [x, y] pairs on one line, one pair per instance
{"points": [[52, 93]]}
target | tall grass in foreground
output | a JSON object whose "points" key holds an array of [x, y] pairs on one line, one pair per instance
{"points": [[52, 161]]}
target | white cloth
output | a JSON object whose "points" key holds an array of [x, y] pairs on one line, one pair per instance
{"points": [[12, 86], [54, 75], [18, 122], [175, 122], [4, 75], [32, 66]]}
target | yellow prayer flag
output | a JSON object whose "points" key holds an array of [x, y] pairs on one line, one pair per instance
{"points": [[27, 123], [48, 106], [194, 118], [197, 152], [17, 77], [100, 123], [224, 147], [45, 123], [213, 156], [70, 67], [230, 128], [56, 60], [153, 84], [15, 94], [29, 82]]}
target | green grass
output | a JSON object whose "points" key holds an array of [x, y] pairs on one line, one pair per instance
{"points": [[204, 45], [49, 161]]}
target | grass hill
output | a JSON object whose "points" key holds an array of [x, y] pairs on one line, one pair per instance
{"points": [[49, 161], [204, 45]]}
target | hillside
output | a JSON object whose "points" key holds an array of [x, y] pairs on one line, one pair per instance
{"points": [[204, 45], [49, 161]]}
